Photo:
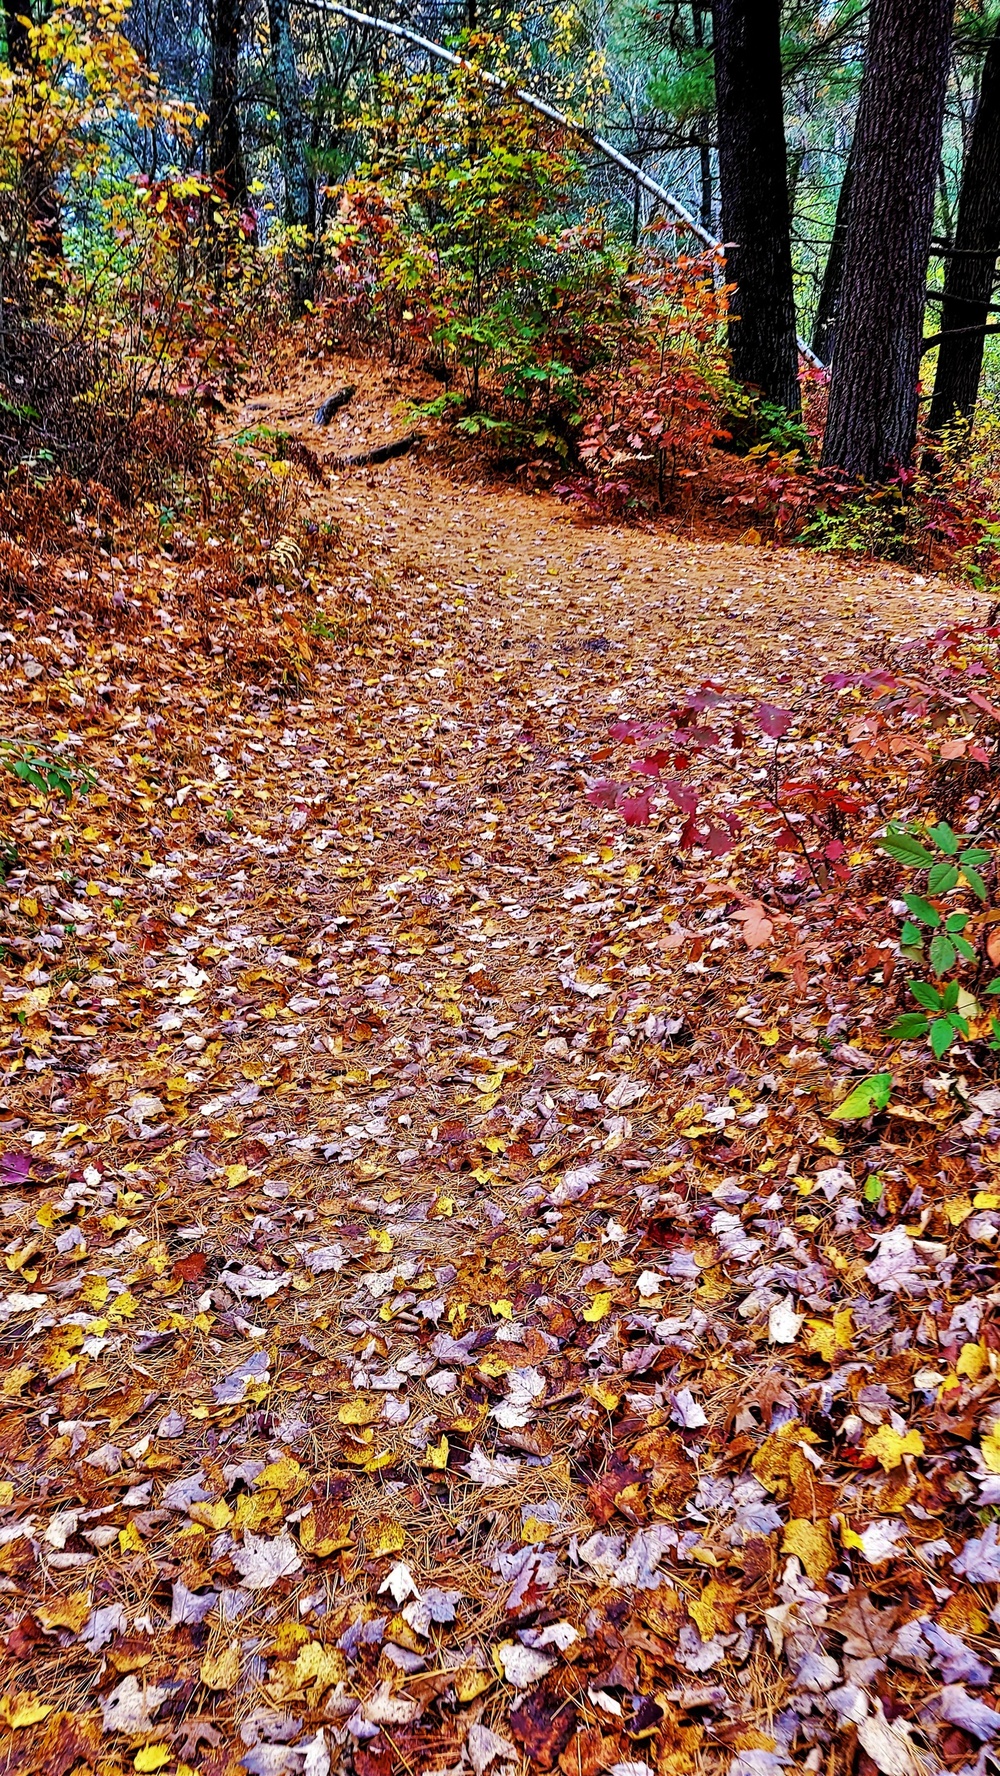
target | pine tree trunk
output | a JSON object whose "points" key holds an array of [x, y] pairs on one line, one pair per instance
{"points": [[225, 144], [968, 281], [299, 195], [824, 336], [872, 420], [753, 186]]}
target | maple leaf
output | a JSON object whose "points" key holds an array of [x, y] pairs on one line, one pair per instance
{"points": [[772, 721]]}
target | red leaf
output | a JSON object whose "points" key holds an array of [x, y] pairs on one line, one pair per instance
{"points": [[773, 721], [604, 794], [636, 810], [682, 795], [717, 841]]}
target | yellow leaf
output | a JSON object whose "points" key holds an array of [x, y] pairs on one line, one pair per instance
{"points": [[986, 1199], [221, 1671], [6, 1493], [957, 1210], [381, 1239], [470, 1683], [712, 1612], [990, 1449], [599, 1307], [66, 1612], [384, 1535], [606, 1396], [24, 1711], [237, 1174], [124, 1307], [436, 1455], [152, 1757], [94, 1292], [534, 1530], [770, 1037], [504, 1310], [359, 1411], [972, 1360], [443, 1207], [320, 1665], [889, 1447], [813, 1545], [285, 1476], [129, 1540], [211, 1514], [849, 1537]]}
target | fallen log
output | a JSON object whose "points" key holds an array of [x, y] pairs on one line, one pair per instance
{"points": [[333, 403], [380, 454]]}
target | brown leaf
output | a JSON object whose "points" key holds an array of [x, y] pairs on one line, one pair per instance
{"points": [[543, 1728]]}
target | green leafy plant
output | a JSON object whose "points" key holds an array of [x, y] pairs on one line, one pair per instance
{"points": [[947, 1007], [51, 776]]}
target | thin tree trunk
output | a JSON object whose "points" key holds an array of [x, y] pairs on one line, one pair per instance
{"points": [[225, 143], [16, 31], [753, 183], [872, 419], [825, 325], [43, 216], [704, 146], [299, 196], [968, 281]]}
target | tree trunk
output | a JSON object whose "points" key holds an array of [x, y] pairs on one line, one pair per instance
{"points": [[753, 186], [704, 146], [824, 336], [968, 280], [42, 214], [225, 143], [872, 420], [299, 195]]}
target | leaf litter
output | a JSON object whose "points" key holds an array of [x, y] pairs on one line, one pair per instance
{"points": [[446, 1324]]}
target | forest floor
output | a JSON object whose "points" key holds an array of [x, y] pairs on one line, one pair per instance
{"points": [[444, 1328]]}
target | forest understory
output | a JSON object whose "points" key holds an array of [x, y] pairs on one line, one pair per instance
{"points": [[446, 1328]]}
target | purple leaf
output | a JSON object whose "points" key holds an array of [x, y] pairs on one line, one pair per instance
{"points": [[15, 1168], [774, 721], [604, 794], [682, 795]]}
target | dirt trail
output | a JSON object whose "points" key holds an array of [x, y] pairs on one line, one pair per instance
{"points": [[445, 1396]]}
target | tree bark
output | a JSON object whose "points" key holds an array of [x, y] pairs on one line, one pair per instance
{"points": [[16, 31], [825, 325], [872, 418], [968, 281], [225, 142], [299, 202], [753, 186]]}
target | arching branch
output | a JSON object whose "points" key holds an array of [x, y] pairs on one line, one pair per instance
{"points": [[544, 109]]}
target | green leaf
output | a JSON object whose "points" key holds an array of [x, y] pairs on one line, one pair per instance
{"points": [[926, 995], [873, 1189], [949, 998], [941, 878], [942, 953], [956, 922], [958, 1023], [964, 948], [975, 881], [976, 856], [909, 1027], [941, 1036], [868, 1095], [994, 987], [922, 910], [905, 848], [944, 838], [910, 934]]}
